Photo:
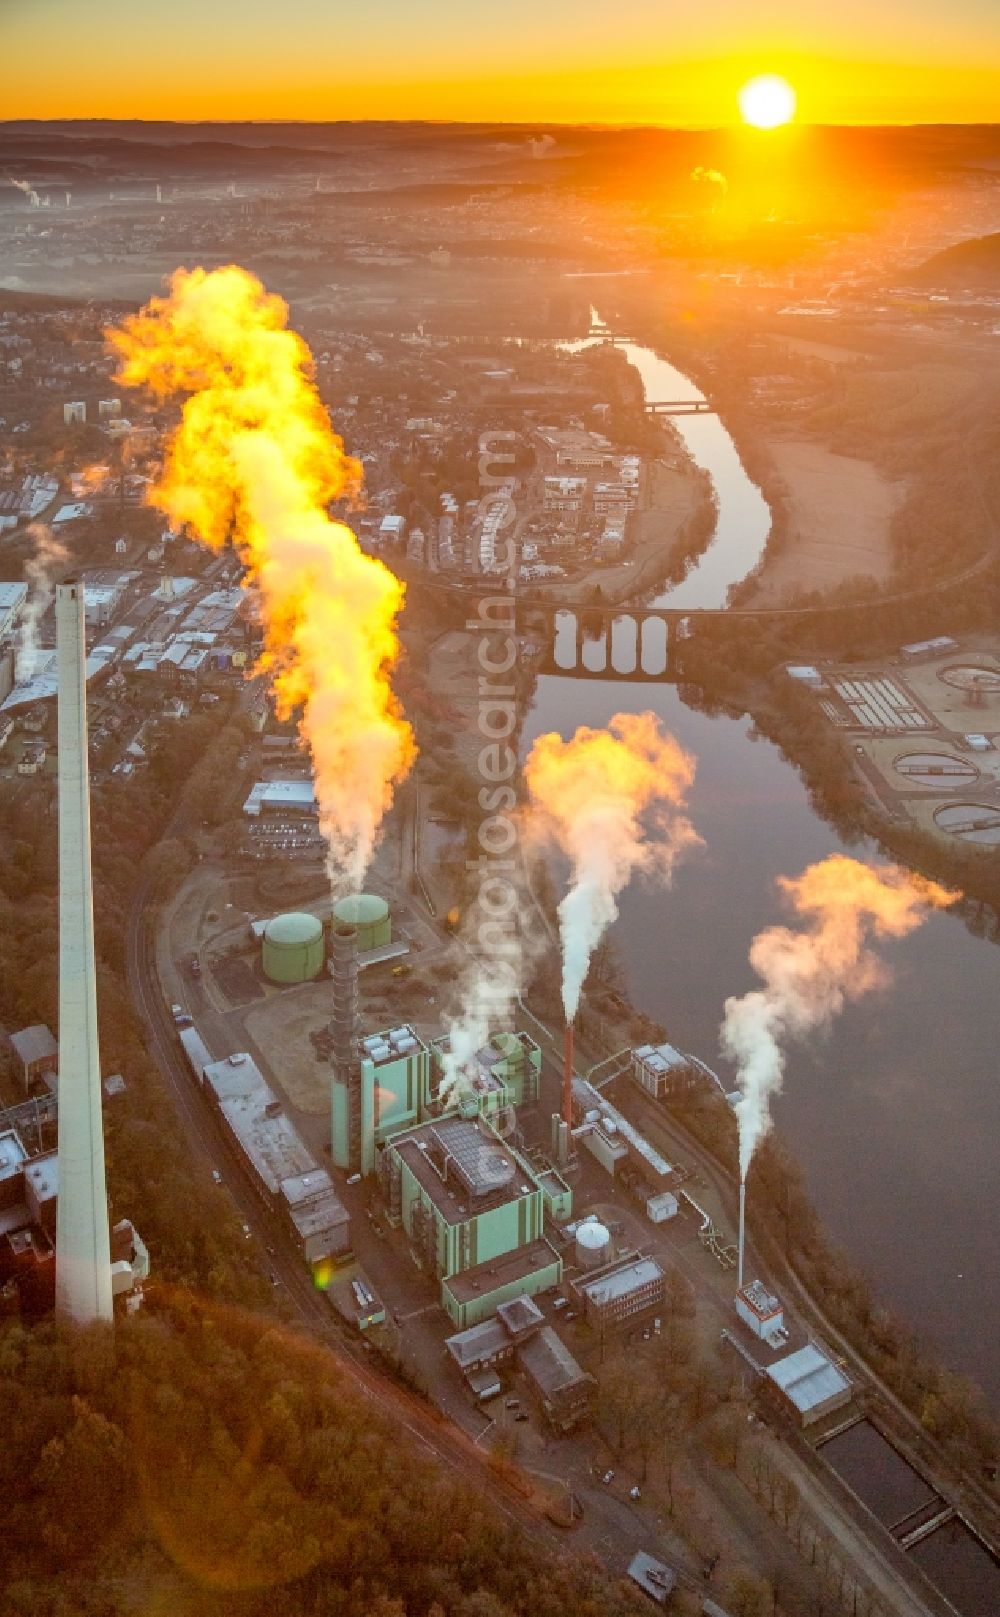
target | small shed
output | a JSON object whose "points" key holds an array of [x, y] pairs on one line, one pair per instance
{"points": [[38, 1054]]}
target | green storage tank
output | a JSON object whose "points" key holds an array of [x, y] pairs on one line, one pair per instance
{"points": [[369, 916], [293, 948]]}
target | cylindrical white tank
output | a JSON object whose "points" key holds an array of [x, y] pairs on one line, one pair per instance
{"points": [[593, 1244]]}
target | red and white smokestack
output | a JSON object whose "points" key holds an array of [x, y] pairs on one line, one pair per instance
{"points": [[567, 1095]]}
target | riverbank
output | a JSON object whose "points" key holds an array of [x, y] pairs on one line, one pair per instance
{"points": [[838, 521]]}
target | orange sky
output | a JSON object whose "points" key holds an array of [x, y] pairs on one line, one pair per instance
{"points": [[638, 61]]}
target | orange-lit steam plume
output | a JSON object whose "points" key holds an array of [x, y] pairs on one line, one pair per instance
{"points": [[808, 975], [254, 458], [610, 799]]}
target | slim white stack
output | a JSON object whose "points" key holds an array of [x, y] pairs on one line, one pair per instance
{"points": [[83, 1246]]}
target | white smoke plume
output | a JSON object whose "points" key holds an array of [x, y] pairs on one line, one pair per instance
{"points": [[610, 799], [808, 975], [501, 950], [50, 556]]}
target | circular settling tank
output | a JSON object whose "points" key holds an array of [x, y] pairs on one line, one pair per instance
{"points": [[972, 822], [293, 949], [968, 677], [946, 770], [369, 915]]}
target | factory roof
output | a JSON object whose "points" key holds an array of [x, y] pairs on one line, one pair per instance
{"points": [[43, 682], [35, 1043], [312, 1202], [808, 1378], [464, 1166], [622, 1282], [42, 1174], [12, 598], [660, 1057], [478, 1344], [12, 1154], [756, 1296], [257, 1119], [590, 1099], [520, 1316], [550, 1364], [507, 1270], [391, 1045], [278, 794]]}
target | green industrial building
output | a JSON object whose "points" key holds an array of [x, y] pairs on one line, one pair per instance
{"points": [[293, 948], [395, 1077], [473, 1211], [369, 916], [504, 1072]]}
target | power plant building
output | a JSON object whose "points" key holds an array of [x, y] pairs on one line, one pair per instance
{"points": [[293, 948], [395, 1068], [397, 1084], [504, 1072], [473, 1212]]}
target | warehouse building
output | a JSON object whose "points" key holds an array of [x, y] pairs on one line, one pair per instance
{"points": [[809, 1385], [279, 1163], [565, 1391], [281, 797]]}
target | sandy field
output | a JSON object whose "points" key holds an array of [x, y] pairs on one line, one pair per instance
{"points": [[839, 510]]}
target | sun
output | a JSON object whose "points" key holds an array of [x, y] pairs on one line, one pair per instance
{"points": [[767, 101]]}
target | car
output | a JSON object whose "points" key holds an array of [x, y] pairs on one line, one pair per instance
{"points": [[247, 1232], [608, 1476], [216, 1175], [512, 1403], [571, 1315], [520, 1415], [274, 1279], [354, 1179], [635, 1493]]}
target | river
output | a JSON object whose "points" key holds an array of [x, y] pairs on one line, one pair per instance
{"points": [[894, 1116]]}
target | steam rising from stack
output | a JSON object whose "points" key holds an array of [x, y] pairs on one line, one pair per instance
{"points": [[808, 975], [50, 555], [254, 458], [610, 799]]}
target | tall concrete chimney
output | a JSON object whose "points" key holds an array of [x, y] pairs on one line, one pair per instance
{"points": [[347, 1120], [83, 1245]]}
